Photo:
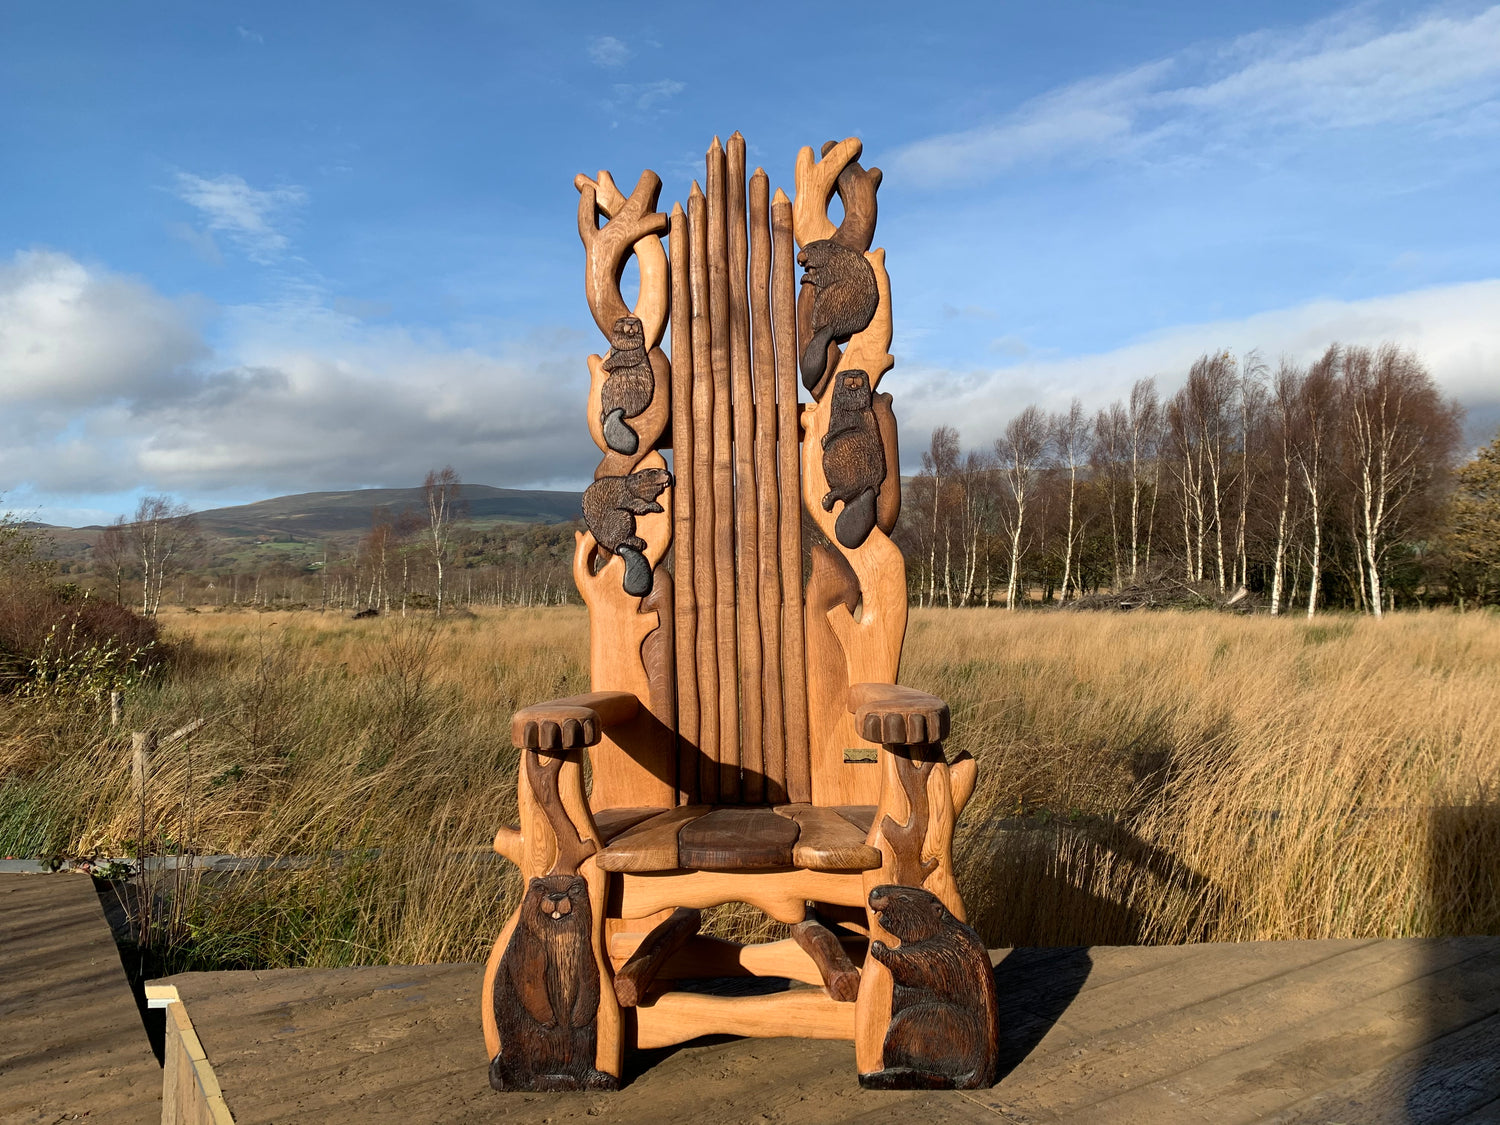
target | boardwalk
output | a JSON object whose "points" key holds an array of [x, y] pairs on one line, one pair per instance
{"points": [[1353, 1032], [72, 1045]]}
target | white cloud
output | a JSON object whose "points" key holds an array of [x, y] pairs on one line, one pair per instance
{"points": [[1338, 73], [642, 99], [1453, 328], [70, 335], [249, 36], [108, 387], [243, 213], [606, 50]]}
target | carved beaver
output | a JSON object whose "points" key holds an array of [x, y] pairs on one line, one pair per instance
{"points": [[547, 994], [610, 506], [944, 1022], [844, 301], [630, 385], [853, 458]]}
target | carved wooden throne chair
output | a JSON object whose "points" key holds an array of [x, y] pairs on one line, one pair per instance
{"points": [[746, 739]]}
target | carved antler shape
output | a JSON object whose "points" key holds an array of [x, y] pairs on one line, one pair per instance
{"points": [[906, 840], [633, 226], [572, 848], [816, 182]]}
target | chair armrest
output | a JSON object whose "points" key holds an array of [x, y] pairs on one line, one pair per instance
{"points": [[573, 722], [897, 716]]}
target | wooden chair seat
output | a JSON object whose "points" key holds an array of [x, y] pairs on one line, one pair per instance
{"points": [[737, 838]]}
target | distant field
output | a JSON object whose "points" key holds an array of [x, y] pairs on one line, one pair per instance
{"points": [[1143, 778]]}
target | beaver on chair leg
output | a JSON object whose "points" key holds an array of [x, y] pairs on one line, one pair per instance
{"points": [[547, 994], [944, 1020]]}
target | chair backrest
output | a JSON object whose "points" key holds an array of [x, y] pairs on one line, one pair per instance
{"points": [[743, 648]]}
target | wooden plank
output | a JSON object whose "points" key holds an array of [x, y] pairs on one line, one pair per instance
{"points": [[703, 592], [635, 976], [861, 816], [767, 495], [827, 841], [675, 1017], [611, 822], [650, 845], [749, 786], [789, 483], [1201, 1036], [737, 839], [683, 542], [728, 774]]}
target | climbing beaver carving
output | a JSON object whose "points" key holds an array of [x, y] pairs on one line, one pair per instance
{"points": [[844, 301], [547, 994], [628, 389], [610, 506], [853, 457], [944, 1022]]}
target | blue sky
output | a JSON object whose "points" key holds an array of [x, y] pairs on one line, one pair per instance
{"points": [[255, 249]]}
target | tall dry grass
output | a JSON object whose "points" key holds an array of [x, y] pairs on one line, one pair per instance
{"points": [[1157, 779]]}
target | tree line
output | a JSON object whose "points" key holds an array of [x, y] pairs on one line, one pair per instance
{"points": [[1328, 484]]}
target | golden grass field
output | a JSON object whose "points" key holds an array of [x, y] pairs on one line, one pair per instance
{"points": [[1157, 778]]}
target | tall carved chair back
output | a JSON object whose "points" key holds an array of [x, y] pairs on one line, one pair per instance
{"points": [[729, 650], [747, 608]]}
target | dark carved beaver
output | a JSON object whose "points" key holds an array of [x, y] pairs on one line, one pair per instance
{"points": [[853, 458], [944, 1022], [547, 994], [610, 506], [844, 301], [630, 385]]}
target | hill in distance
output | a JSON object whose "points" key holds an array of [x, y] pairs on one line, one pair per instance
{"points": [[311, 516], [315, 515]]}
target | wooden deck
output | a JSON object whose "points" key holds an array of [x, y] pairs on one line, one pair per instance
{"points": [[72, 1044], [1352, 1032]]}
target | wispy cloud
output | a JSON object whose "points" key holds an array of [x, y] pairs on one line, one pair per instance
{"points": [[249, 35], [242, 213], [1343, 72], [606, 50], [644, 98]]}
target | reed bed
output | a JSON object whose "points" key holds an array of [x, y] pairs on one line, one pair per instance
{"points": [[1162, 778]]}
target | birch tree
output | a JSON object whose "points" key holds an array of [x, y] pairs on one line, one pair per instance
{"points": [[442, 494], [1070, 432], [1020, 454], [162, 531]]}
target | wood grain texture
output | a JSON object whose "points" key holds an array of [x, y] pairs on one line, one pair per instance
{"points": [[650, 845], [832, 587], [889, 714], [721, 317], [705, 575], [827, 841], [840, 978], [675, 1017], [634, 977], [737, 839], [572, 722], [767, 498], [783, 895], [817, 179], [684, 543], [789, 478], [750, 785], [659, 650]]}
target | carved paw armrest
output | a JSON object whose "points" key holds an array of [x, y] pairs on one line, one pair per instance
{"points": [[897, 716], [571, 723]]}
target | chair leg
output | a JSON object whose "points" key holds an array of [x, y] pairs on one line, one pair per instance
{"points": [[550, 999], [926, 1015]]}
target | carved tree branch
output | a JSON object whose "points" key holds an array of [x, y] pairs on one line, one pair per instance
{"points": [[572, 848]]}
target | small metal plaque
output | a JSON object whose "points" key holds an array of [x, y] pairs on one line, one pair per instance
{"points": [[861, 754]]}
